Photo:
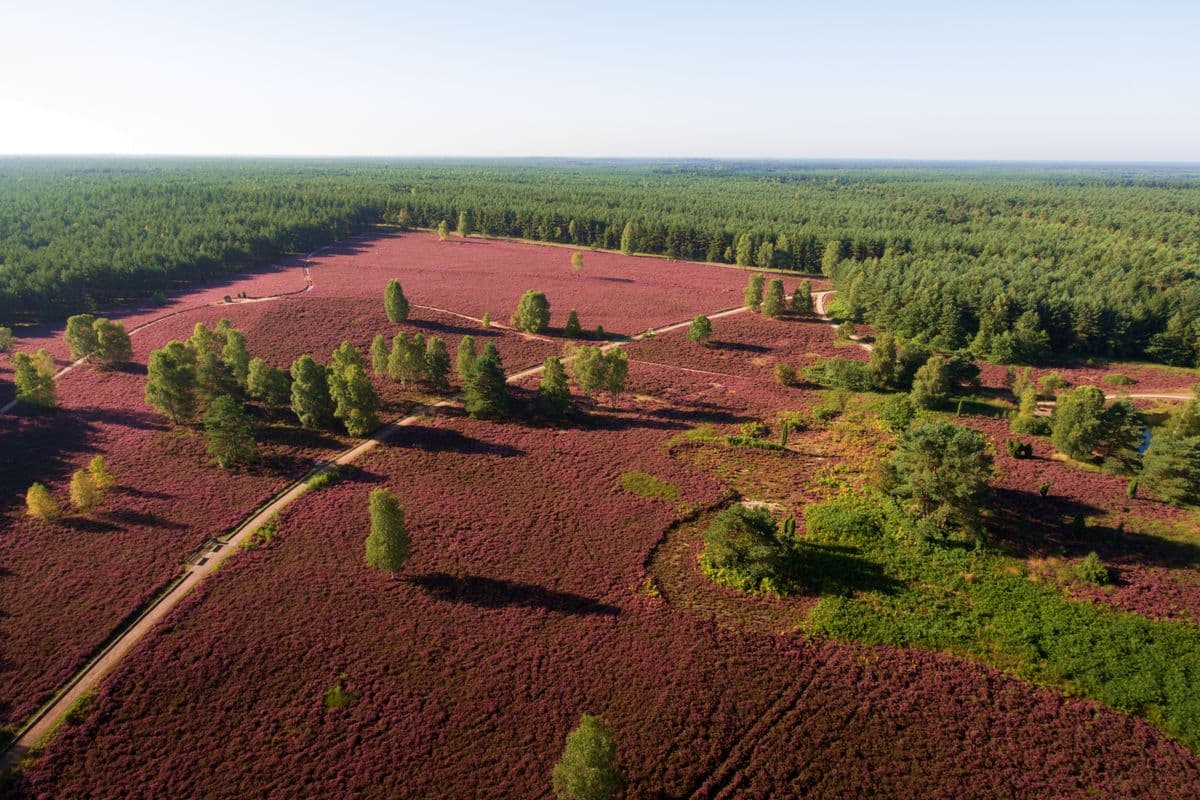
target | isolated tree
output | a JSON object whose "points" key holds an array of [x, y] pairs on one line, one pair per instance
{"points": [[587, 769], [554, 396], [311, 402], [463, 228], [576, 262], [102, 477], [266, 383], [443, 230], [931, 385], [486, 395], [236, 357], [113, 346], [465, 360], [1078, 420], [752, 295], [230, 432], [775, 299], [357, 403], [700, 330], [171, 381], [744, 250], [388, 544], [629, 238], [831, 257], [802, 302], [394, 302], [1172, 468], [437, 364], [379, 355], [942, 470], [883, 366], [573, 330], [81, 336], [33, 377], [84, 494], [532, 314], [40, 504]]}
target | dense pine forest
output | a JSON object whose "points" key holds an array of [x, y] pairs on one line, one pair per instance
{"points": [[1020, 264]]}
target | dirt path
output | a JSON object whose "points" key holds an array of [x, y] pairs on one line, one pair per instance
{"points": [[42, 725]]}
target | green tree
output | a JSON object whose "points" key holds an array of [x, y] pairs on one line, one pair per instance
{"points": [[883, 366], [532, 314], [356, 403], [752, 295], [311, 402], [1172, 468], [344, 356], [576, 262], [700, 329], [443, 230], [40, 504], [573, 330], [831, 257], [171, 381], [394, 302], [486, 395], [554, 396], [33, 377], [213, 378], [204, 340], [266, 383], [587, 769], [589, 368], [465, 359], [931, 384], [1184, 420], [629, 241], [745, 250], [113, 346], [764, 256], [802, 302], [616, 371], [379, 355], [102, 477], [942, 470], [1078, 422], [388, 544], [1121, 427], [742, 549], [6, 339], [85, 496], [463, 228], [775, 299], [230, 432], [81, 336], [236, 357], [437, 364]]}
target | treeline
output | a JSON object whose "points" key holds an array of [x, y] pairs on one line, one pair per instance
{"points": [[1017, 263]]}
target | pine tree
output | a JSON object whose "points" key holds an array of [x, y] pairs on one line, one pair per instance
{"points": [[357, 403], [203, 340], [443, 230], [1172, 468], [1078, 420], [752, 295], [589, 369], [629, 238], [213, 379], [437, 364], [464, 224], [397, 357], [765, 255], [84, 494], [102, 478], [388, 544], [486, 395], [700, 330], [576, 262], [33, 377], [554, 396], [236, 357], [532, 314], [587, 769], [616, 370], [573, 330], [266, 383], [802, 302], [395, 303], [465, 359], [171, 381], [883, 367], [230, 432], [344, 356], [773, 302], [39, 503], [745, 250], [81, 336], [379, 355], [311, 402], [831, 257], [931, 384], [7, 340], [113, 346]]}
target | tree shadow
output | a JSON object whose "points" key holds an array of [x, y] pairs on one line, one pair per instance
{"points": [[484, 592], [700, 413], [738, 347], [454, 329], [89, 525], [610, 278], [827, 569], [447, 440], [130, 517]]}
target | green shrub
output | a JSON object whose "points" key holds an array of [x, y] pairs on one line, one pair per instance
{"points": [[1117, 379], [647, 486], [897, 412], [1092, 570], [324, 479], [337, 696], [743, 550]]}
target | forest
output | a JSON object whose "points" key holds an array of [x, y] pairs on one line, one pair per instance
{"points": [[1022, 264]]}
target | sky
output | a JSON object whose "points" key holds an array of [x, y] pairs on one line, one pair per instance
{"points": [[1015, 80]]}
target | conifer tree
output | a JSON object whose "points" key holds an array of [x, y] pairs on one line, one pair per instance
{"points": [[532, 314], [40, 504], [102, 477], [464, 224], [573, 330], [81, 336], [84, 494], [753, 293], [831, 257], [765, 255], [437, 364], [395, 303], [113, 346], [33, 377], [587, 769], [465, 359], [213, 378], [388, 544], [236, 357], [554, 396], [311, 402], [266, 383], [745, 250], [883, 366], [357, 403], [700, 330], [379, 355], [931, 384], [802, 302], [486, 395], [629, 238], [443, 230], [576, 261], [230, 432], [773, 302], [171, 381]]}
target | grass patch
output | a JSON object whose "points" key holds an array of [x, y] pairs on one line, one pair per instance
{"points": [[647, 486], [947, 596], [265, 534], [337, 695], [700, 433]]}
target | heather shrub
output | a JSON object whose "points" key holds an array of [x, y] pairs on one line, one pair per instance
{"points": [[1117, 379], [1050, 385], [337, 696]]}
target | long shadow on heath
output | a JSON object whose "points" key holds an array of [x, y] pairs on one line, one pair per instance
{"points": [[493, 593], [827, 569], [447, 440]]}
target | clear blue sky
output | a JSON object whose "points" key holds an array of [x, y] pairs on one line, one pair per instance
{"points": [[1055, 79]]}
